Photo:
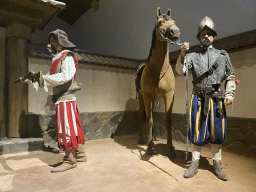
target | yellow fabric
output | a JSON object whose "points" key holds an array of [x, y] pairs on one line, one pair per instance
{"points": [[223, 120], [190, 110], [198, 123], [212, 118]]}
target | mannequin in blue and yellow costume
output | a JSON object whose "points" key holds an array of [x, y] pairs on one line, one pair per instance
{"points": [[207, 118]]}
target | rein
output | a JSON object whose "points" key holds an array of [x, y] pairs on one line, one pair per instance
{"points": [[168, 40], [164, 73], [162, 33]]}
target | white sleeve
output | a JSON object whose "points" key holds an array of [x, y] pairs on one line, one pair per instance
{"points": [[180, 67], [230, 87], [67, 72]]}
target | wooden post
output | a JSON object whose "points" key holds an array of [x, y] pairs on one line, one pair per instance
{"points": [[17, 35], [2, 88]]}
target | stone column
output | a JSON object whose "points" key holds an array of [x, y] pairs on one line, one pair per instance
{"points": [[17, 35]]}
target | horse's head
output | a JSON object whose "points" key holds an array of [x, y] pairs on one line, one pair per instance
{"points": [[166, 27]]}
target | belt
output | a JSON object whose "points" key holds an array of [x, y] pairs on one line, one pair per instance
{"points": [[207, 91], [57, 96]]}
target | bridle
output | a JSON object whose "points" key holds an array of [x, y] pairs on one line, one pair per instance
{"points": [[164, 35]]}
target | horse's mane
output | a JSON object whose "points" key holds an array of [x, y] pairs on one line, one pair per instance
{"points": [[152, 43]]}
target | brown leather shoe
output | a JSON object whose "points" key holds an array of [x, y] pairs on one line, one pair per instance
{"points": [[81, 157], [64, 167], [80, 153], [69, 162]]}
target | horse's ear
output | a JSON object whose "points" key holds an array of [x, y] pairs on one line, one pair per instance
{"points": [[169, 12], [158, 12]]}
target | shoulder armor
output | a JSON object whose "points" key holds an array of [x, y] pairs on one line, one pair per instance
{"points": [[223, 52]]}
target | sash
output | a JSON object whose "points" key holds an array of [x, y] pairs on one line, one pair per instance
{"points": [[57, 61]]}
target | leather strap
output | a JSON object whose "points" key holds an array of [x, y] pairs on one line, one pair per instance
{"points": [[68, 93]]}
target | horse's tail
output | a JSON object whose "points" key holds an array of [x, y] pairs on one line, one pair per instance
{"points": [[138, 87], [138, 76], [142, 109]]}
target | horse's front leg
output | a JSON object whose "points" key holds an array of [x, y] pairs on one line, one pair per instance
{"points": [[168, 99], [142, 119], [148, 102]]}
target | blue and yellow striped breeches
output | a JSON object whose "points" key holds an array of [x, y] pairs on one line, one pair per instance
{"points": [[207, 128]]}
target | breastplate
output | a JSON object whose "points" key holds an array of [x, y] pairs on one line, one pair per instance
{"points": [[203, 61]]}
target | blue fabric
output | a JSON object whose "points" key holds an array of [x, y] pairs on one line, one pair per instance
{"points": [[211, 128]]}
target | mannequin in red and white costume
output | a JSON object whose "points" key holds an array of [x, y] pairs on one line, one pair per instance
{"points": [[70, 135]]}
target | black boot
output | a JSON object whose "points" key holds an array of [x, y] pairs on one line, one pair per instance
{"points": [[192, 170], [218, 171]]}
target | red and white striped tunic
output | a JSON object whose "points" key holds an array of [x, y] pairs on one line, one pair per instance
{"points": [[69, 129]]}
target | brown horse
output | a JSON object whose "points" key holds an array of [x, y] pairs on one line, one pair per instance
{"points": [[157, 80]]}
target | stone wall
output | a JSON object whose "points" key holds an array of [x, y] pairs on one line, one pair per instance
{"points": [[96, 125], [241, 132]]}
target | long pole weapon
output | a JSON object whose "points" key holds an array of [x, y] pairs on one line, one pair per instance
{"points": [[187, 107], [187, 112]]}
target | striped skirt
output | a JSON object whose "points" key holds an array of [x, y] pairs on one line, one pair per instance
{"points": [[69, 130], [207, 128]]}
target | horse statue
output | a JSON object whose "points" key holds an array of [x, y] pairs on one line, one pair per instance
{"points": [[155, 79]]}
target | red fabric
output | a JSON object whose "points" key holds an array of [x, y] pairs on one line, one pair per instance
{"points": [[80, 131], [60, 124], [56, 62], [236, 81], [76, 65]]}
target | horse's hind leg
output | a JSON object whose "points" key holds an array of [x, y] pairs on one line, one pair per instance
{"points": [[168, 98], [142, 114]]}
